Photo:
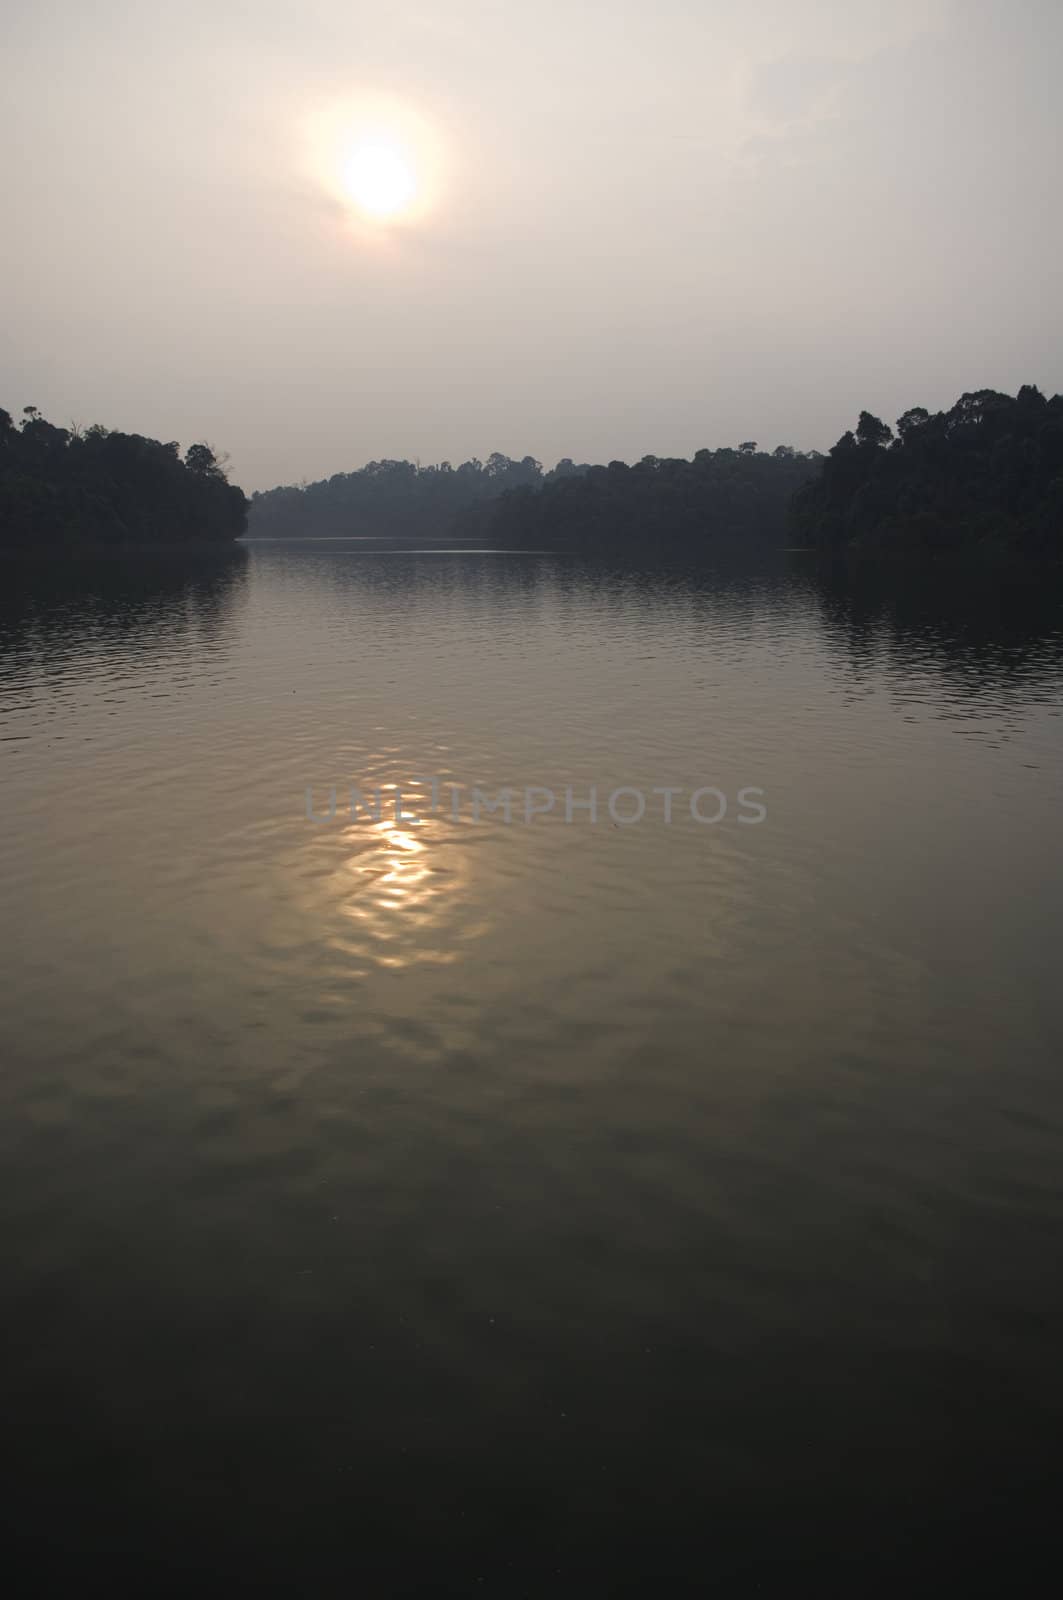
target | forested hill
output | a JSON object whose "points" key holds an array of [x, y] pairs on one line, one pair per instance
{"points": [[987, 473], [738, 495], [69, 486], [394, 497]]}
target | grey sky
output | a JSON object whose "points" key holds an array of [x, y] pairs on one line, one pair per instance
{"points": [[659, 227]]}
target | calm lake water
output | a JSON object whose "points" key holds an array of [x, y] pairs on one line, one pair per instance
{"points": [[454, 1205]]}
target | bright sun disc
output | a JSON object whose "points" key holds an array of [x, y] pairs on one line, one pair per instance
{"points": [[379, 180]]}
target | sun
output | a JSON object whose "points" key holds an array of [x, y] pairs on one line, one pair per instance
{"points": [[379, 177], [383, 163]]}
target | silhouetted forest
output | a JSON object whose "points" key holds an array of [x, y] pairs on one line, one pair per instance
{"points": [[741, 494], [395, 497], [988, 473], [64, 485]]}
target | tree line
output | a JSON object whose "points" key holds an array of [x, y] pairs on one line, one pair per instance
{"points": [[738, 494], [99, 486], [395, 497], [987, 473], [741, 492]]}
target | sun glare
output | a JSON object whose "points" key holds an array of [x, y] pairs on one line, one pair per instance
{"points": [[380, 180], [379, 158]]}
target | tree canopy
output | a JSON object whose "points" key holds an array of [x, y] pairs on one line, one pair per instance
{"points": [[738, 494], [394, 497], [988, 472], [68, 485]]}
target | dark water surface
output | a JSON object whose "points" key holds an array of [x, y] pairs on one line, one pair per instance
{"points": [[448, 1206]]}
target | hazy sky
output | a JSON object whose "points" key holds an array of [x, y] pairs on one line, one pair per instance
{"points": [[641, 227]]}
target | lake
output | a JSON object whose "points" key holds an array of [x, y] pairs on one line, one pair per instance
{"points": [[453, 1202]]}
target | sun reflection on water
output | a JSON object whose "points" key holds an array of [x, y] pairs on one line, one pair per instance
{"points": [[398, 890]]}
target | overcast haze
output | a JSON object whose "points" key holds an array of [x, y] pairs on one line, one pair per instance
{"points": [[650, 228]]}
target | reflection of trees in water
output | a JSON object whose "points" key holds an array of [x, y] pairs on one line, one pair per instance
{"points": [[983, 629], [146, 602], [404, 586], [686, 589], [997, 632]]}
